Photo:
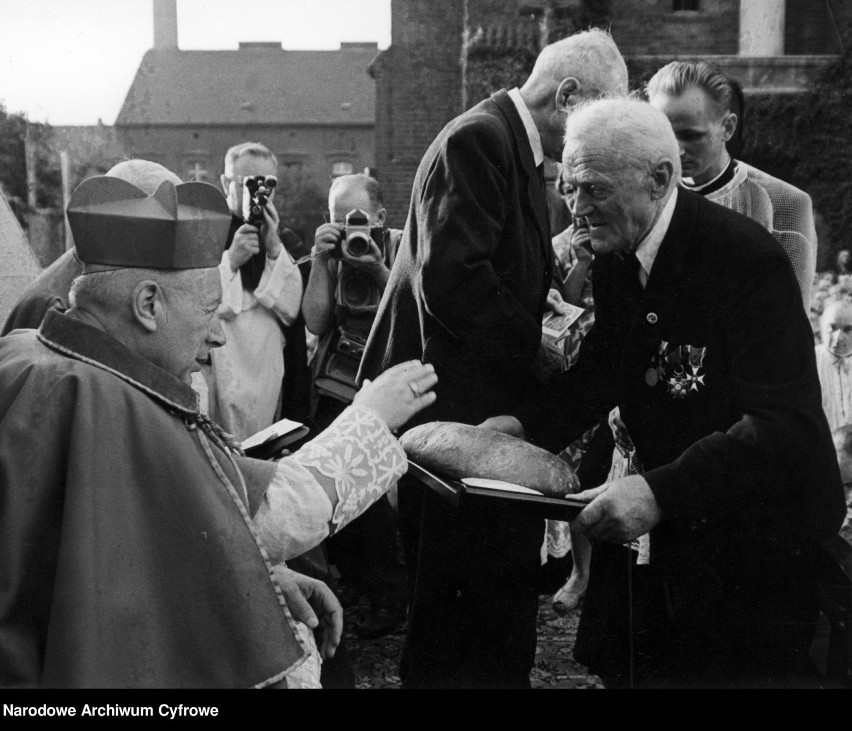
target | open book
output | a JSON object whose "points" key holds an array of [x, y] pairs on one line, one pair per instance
{"points": [[268, 442]]}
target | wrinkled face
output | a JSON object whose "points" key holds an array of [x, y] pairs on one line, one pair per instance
{"points": [[843, 259], [350, 196], [837, 329], [232, 181], [701, 132], [190, 327], [612, 195]]}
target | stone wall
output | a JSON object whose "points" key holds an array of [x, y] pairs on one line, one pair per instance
{"points": [[652, 27], [418, 90], [46, 234]]}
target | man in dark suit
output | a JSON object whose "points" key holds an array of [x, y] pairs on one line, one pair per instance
{"points": [[700, 339], [466, 294]]}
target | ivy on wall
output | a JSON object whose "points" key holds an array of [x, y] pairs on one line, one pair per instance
{"points": [[806, 139], [489, 69], [803, 138]]}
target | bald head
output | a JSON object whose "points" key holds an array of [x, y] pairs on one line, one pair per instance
{"points": [[576, 69], [620, 165], [144, 174], [358, 190]]}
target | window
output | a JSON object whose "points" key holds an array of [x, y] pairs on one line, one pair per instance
{"points": [[196, 166], [342, 167], [196, 170], [291, 168], [688, 5]]}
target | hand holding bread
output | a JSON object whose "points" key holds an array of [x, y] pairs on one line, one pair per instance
{"points": [[454, 450]]}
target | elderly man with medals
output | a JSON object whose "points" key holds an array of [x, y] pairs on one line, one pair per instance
{"points": [[701, 340]]}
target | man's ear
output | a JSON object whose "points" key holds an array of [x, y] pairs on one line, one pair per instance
{"points": [[729, 125], [661, 178], [567, 87], [381, 216], [147, 303], [226, 182]]}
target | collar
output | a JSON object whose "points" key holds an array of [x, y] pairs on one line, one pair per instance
{"points": [[722, 179], [529, 125], [647, 250], [840, 362], [80, 341]]}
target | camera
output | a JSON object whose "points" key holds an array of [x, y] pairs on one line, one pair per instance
{"points": [[357, 235], [257, 189]]}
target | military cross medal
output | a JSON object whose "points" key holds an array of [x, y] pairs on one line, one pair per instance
{"points": [[681, 383]]}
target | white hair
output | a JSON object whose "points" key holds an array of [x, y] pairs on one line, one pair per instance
{"points": [[590, 56], [637, 134], [831, 308], [109, 291]]}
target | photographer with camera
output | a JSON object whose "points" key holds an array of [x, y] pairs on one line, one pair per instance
{"points": [[353, 255], [261, 296]]}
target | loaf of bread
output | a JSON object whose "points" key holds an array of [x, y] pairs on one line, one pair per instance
{"points": [[453, 450]]}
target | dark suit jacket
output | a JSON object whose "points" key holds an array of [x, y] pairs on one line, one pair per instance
{"points": [[468, 287], [741, 462], [751, 436]]}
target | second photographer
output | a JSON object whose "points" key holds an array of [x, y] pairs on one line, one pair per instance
{"points": [[353, 254]]}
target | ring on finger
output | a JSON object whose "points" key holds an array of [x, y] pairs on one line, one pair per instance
{"points": [[414, 389]]}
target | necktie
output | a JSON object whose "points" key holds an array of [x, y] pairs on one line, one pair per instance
{"points": [[540, 170], [632, 267]]}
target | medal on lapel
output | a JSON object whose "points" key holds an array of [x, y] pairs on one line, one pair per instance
{"points": [[685, 363], [656, 371], [678, 384]]}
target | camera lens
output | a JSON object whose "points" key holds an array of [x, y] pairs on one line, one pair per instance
{"points": [[358, 244], [358, 289]]}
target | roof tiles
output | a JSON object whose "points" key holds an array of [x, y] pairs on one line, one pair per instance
{"points": [[256, 85]]}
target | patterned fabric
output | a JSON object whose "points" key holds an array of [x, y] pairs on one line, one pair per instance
{"points": [[307, 675], [328, 483], [331, 480], [557, 356], [784, 210], [361, 456]]}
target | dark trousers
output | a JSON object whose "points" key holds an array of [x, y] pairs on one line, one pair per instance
{"points": [[366, 552], [697, 629], [473, 571], [473, 593]]}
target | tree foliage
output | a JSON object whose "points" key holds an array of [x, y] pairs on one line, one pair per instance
{"points": [[14, 128], [301, 204]]}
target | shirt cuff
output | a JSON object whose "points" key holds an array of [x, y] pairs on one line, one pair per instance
{"points": [[360, 458]]}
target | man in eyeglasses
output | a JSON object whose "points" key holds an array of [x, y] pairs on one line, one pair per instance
{"points": [[261, 295]]}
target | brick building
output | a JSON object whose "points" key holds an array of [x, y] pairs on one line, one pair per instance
{"points": [[314, 109], [446, 55]]}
